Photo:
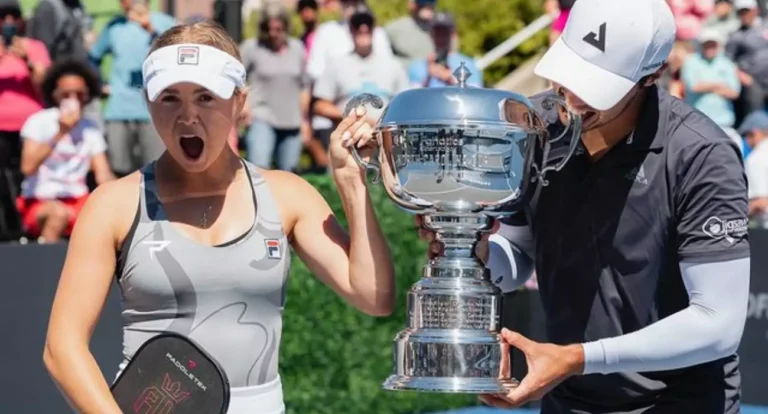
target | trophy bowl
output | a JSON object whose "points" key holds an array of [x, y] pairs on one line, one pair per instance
{"points": [[461, 157]]}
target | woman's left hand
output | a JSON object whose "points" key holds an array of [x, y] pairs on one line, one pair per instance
{"points": [[548, 366], [18, 48], [354, 130]]}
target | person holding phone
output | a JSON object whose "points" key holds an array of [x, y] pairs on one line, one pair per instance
{"points": [[437, 69], [60, 147], [127, 38], [23, 62]]}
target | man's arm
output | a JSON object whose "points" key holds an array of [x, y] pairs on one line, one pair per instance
{"points": [[713, 250], [511, 255], [710, 328]]}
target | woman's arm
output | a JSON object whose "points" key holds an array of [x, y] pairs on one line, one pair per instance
{"points": [[356, 265], [82, 291]]}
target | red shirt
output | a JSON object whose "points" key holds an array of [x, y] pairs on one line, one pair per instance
{"points": [[18, 97]]}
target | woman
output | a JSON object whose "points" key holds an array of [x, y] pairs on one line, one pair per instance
{"points": [[186, 236], [279, 94], [23, 62], [60, 147]]}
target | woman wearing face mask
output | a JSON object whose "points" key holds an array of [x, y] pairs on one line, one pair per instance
{"points": [[23, 62], [214, 279]]}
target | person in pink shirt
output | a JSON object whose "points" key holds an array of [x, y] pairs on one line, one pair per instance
{"points": [[690, 15], [23, 63]]}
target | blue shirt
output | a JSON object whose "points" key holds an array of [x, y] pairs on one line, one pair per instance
{"points": [[697, 69], [129, 45], [418, 72]]}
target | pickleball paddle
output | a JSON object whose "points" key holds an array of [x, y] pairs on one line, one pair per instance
{"points": [[170, 374]]}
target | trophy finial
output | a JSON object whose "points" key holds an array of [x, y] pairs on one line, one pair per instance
{"points": [[462, 74]]}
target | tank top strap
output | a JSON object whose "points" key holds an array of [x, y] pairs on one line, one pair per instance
{"points": [[268, 222], [151, 208]]}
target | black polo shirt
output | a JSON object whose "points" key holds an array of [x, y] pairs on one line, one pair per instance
{"points": [[610, 235]]}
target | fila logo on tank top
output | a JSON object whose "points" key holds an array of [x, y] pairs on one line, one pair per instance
{"points": [[228, 298]]}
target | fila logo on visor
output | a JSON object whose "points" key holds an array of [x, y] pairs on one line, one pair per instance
{"points": [[188, 55], [273, 248], [597, 40]]}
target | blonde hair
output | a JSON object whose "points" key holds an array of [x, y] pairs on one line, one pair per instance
{"points": [[203, 33]]}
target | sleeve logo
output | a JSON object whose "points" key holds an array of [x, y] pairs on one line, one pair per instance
{"points": [[728, 230]]}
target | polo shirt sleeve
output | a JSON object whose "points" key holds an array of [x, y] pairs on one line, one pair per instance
{"points": [[711, 203]]}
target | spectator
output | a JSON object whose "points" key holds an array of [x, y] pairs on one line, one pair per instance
{"points": [[748, 48], [438, 68], [63, 25], [711, 82], [755, 132], [127, 38], [333, 41], [362, 71], [671, 79], [723, 19], [279, 94], [559, 10], [690, 16], [60, 147], [410, 35], [307, 10], [23, 62]]}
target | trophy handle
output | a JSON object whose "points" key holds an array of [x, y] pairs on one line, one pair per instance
{"points": [[377, 103], [574, 125]]}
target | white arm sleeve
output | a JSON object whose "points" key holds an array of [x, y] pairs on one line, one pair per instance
{"points": [[510, 257], [709, 328]]}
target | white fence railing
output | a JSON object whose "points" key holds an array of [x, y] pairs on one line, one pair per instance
{"points": [[513, 42]]}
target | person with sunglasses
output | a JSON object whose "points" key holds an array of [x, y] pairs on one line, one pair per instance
{"points": [[60, 147]]}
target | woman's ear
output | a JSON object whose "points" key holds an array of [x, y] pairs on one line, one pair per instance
{"points": [[652, 78]]}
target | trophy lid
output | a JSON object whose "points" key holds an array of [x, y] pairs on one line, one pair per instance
{"points": [[457, 104]]}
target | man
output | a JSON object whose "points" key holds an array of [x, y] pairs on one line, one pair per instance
{"points": [[62, 25], [635, 240], [723, 19], [307, 10], [437, 69], [711, 82], [332, 41], [359, 72], [127, 38], [409, 34], [748, 48], [754, 129]]}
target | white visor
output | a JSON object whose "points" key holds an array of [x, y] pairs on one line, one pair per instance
{"points": [[207, 66]]}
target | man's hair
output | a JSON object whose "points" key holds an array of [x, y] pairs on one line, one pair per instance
{"points": [[272, 12], [66, 67], [207, 33], [306, 4]]}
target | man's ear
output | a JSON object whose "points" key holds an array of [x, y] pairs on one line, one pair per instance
{"points": [[653, 77]]}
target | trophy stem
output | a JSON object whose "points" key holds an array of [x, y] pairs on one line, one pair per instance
{"points": [[459, 235]]}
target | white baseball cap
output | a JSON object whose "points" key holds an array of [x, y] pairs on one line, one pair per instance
{"points": [[744, 4], [203, 65], [607, 46]]}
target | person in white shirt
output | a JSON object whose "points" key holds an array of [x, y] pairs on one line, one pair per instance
{"points": [[333, 40], [754, 129], [60, 147]]}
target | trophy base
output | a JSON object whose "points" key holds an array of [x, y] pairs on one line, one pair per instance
{"points": [[450, 385]]}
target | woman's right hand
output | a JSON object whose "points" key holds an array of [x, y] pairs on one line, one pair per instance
{"points": [[436, 246]]}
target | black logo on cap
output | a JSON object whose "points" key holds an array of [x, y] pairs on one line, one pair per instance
{"points": [[597, 40]]}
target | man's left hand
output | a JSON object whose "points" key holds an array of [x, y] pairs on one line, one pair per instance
{"points": [[548, 366]]}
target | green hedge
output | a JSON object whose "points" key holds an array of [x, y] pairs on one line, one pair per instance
{"points": [[333, 359]]}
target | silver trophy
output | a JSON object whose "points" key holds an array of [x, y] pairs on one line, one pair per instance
{"points": [[460, 156]]}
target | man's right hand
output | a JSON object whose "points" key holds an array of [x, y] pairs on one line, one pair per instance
{"points": [[436, 247]]}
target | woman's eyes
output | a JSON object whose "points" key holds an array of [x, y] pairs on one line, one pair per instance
{"points": [[204, 97]]}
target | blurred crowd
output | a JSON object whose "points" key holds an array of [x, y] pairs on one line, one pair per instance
{"points": [[65, 128]]}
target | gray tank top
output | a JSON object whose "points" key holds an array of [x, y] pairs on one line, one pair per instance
{"points": [[227, 298]]}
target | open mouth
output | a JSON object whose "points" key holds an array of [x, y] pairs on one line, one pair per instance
{"points": [[587, 117], [192, 145]]}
